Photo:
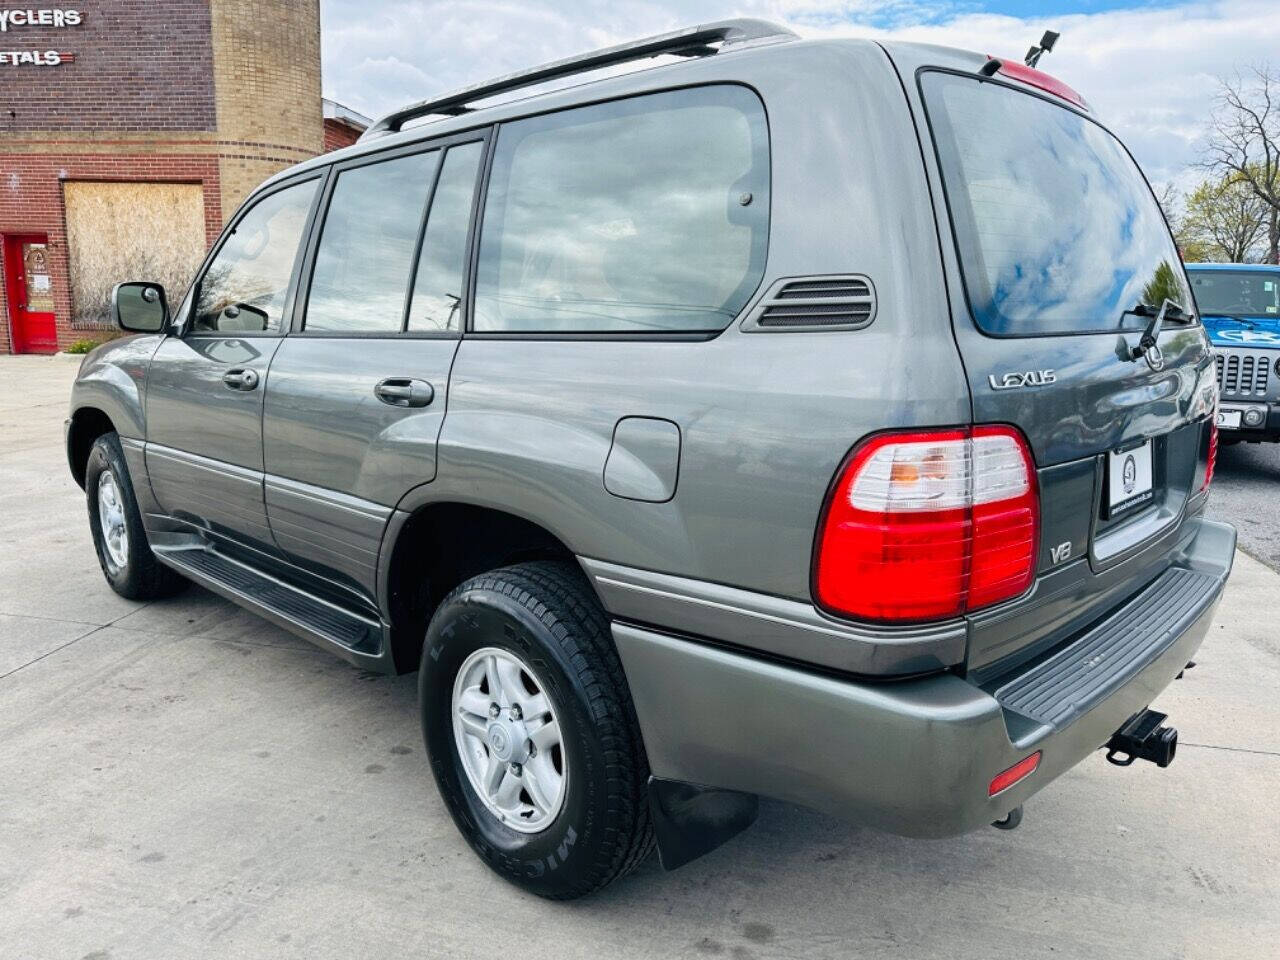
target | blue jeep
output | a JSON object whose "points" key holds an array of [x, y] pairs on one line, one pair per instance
{"points": [[1240, 306]]}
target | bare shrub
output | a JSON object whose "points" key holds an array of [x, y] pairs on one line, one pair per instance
{"points": [[130, 231]]}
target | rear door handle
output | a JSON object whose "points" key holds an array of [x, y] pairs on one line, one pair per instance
{"points": [[404, 392], [240, 379]]}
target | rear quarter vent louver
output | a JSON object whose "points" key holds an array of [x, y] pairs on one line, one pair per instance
{"points": [[801, 304]]}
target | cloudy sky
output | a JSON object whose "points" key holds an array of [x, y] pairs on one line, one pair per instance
{"points": [[1148, 69]]}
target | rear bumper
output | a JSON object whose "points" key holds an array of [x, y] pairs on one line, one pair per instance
{"points": [[913, 757]]}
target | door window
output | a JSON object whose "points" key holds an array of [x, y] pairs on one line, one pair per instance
{"points": [[35, 265], [643, 215], [361, 275], [245, 286], [437, 285]]}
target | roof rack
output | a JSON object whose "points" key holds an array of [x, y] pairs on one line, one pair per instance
{"points": [[689, 42]]}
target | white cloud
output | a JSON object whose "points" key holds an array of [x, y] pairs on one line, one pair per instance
{"points": [[1149, 72]]}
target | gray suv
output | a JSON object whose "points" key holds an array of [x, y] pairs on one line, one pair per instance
{"points": [[825, 421]]}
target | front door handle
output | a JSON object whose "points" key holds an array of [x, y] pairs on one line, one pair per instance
{"points": [[240, 379], [404, 392]]}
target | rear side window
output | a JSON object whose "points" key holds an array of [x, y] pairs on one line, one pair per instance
{"points": [[644, 215], [1058, 231], [361, 274], [437, 285]]}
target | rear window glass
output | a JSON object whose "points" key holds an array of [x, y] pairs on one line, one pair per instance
{"points": [[1057, 229], [644, 215], [1237, 293]]}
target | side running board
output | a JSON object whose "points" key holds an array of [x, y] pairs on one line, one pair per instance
{"points": [[357, 639]]}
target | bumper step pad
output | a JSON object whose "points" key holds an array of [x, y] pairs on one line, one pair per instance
{"points": [[1076, 678]]}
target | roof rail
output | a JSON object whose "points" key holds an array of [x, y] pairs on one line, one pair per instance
{"points": [[689, 42]]}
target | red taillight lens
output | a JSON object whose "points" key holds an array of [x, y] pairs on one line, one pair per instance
{"points": [[924, 526], [1213, 451], [1019, 771]]}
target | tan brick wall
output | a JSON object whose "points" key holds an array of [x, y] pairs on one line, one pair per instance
{"points": [[266, 73]]}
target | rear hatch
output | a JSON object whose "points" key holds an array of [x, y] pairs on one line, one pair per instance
{"points": [[1058, 255]]}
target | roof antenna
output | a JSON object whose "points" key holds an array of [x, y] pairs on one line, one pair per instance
{"points": [[1046, 45]]}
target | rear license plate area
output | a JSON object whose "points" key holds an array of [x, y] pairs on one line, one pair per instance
{"points": [[1130, 480]]}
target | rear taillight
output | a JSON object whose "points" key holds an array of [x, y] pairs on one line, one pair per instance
{"points": [[1204, 403], [924, 526], [1213, 452]]}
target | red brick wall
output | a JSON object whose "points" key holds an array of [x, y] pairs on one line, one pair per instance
{"points": [[140, 65], [31, 202], [217, 92], [338, 135]]}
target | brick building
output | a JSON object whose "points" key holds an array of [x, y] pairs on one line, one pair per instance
{"points": [[129, 131]]}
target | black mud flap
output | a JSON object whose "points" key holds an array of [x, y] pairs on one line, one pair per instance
{"points": [[689, 820]]}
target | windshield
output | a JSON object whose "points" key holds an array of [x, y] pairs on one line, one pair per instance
{"points": [[1057, 229], [1237, 293]]}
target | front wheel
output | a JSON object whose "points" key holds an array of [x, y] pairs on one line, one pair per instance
{"points": [[531, 732], [116, 524]]}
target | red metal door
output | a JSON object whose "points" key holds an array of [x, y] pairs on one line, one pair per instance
{"points": [[29, 293]]}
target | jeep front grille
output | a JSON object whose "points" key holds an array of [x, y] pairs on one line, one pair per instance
{"points": [[1245, 375]]}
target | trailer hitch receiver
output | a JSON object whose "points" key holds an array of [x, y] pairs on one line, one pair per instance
{"points": [[1143, 737]]}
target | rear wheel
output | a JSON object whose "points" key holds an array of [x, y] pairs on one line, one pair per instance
{"points": [[531, 732], [116, 524]]}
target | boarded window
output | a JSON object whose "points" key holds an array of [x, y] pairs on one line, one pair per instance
{"points": [[131, 231]]}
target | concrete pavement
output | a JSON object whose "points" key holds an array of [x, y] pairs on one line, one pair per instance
{"points": [[1247, 493], [181, 779]]}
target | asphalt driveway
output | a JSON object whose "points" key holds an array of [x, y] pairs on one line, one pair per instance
{"points": [[182, 779]]}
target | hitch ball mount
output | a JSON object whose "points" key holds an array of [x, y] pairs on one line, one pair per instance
{"points": [[1143, 738]]}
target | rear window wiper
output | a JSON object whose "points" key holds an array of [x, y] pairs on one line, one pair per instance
{"points": [[1170, 309], [1175, 311]]}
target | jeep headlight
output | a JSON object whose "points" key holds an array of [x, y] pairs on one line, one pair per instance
{"points": [[1204, 396]]}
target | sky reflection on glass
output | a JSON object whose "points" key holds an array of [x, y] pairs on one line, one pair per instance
{"points": [[627, 216], [1058, 231], [367, 243]]}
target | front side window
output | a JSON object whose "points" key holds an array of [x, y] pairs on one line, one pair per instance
{"points": [[644, 215], [1057, 229], [245, 287], [361, 274], [1237, 293]]}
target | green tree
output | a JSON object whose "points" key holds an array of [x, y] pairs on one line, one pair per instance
{"points": [[1223, 220], [1244, 142]]}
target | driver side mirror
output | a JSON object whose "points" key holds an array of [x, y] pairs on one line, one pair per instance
{"points": [[140, 307]]}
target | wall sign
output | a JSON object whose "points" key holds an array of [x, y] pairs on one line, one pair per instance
{"points": [[56, 17]]}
